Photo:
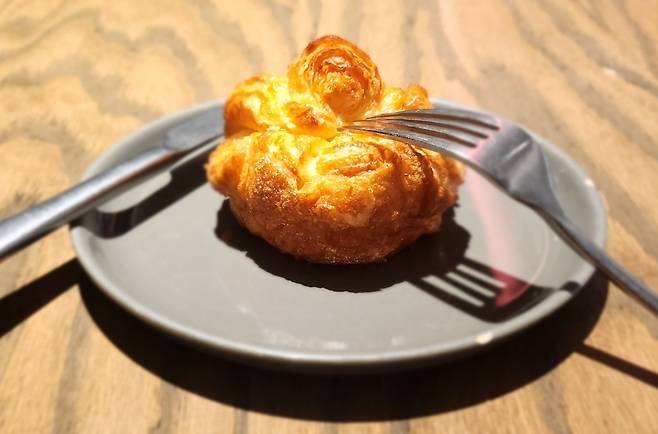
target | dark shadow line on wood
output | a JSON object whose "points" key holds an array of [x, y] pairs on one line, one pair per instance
{"points": [[22, 303], [631, 369]]}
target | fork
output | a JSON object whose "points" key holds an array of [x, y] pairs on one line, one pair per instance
{"points": [[506, 155]]}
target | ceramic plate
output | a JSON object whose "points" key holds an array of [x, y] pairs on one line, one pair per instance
{"points": [[170, 252]]}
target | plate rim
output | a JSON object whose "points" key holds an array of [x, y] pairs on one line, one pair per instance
{"points": [[287, 358]]}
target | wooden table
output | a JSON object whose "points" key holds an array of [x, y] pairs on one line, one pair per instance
{"points": [[77, 76]]}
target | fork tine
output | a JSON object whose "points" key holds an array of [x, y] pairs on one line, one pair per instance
{"points": [[433, 143], [432, 128], [470, 288], [471, 129], [447, 114], [481, 282]]}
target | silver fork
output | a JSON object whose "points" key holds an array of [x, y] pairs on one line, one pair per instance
{"points": [[508, 156]]}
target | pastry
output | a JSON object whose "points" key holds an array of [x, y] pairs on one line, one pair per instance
{"points": [[318, 193]]}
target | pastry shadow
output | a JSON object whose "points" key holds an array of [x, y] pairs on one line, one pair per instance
{"points": [[435, 263]]}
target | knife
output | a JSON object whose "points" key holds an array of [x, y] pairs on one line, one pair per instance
{"points": [[24, 228]]}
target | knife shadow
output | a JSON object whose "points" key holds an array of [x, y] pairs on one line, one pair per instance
{"points": [[186, 176]]}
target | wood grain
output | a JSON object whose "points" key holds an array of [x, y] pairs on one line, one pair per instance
{"points": [[76, 76]]}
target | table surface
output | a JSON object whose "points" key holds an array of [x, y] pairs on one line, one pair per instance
{"points": [[77, 76]]}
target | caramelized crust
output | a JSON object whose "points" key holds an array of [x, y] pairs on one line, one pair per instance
{"points": [[316, 193]]}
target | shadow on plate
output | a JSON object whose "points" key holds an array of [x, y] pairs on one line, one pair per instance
{"points": [[435, 263], [186, 176], [472, 287], [415, 393]]}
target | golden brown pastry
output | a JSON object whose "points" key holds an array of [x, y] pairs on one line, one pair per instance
{"points": [[317, 193]]}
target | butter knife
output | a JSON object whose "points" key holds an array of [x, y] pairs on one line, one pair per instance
{"points": [[24, 228]]}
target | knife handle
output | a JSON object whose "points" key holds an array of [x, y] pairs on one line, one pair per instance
{"points": [[24, 228]]}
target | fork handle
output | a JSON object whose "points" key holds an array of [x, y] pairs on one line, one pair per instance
{"points": [[29, 225], [619, 275]]}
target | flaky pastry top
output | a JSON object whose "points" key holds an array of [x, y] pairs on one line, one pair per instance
{"points": [[332, 83]]}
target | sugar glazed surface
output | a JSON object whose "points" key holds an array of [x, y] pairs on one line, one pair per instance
{"points": [[314, 192]]}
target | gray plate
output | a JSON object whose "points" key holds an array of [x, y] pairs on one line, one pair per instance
{"points": [[170, 252]]}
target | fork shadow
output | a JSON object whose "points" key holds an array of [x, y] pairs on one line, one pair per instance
{"points": [[435, 263]]}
